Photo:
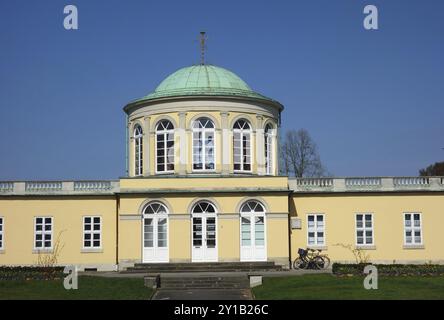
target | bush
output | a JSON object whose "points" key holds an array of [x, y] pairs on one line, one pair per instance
{"points": [[31, 273], [390, 269]]}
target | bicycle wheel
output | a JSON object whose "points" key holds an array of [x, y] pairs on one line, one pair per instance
{"points": [[299, 263], [326, 261], [318, 262]]}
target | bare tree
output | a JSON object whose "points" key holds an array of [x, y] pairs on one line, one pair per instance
{"points": [[299, 155]]}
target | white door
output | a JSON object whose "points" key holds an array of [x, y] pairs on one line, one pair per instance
{"points": [[253, 242], [155, 233], [204, 236]]}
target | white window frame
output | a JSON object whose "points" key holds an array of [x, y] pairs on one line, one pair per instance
{"points": [[138, 150], [243, 133], [43, 232], [268, 149], [412, 228], [92, 232], [165, 134], [204, 132], [364, 229], [316, 230], [2, 233]]}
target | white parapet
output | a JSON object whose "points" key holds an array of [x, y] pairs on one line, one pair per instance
{"points": [[58, 187], [366, 184]]}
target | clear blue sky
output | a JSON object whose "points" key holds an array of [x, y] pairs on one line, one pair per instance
{"points": [[372, 100]]}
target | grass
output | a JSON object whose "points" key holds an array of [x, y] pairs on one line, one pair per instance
{"points": [[89, 288], [325, 286]]}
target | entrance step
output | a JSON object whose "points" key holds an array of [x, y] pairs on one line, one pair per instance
{"points": [[204, 282], [203, 267]]}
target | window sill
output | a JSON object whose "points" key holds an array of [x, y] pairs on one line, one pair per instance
{"points": [[92, 250], [361, 247], [318, 247], [413, 246], [42, 251]]}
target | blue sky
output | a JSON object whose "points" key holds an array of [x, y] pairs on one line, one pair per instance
{"points": [[372, 100]]}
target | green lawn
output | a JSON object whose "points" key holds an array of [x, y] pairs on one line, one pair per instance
{"points": [[88, 288], [325, 286]]}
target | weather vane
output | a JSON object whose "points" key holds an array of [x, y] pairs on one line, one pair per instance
{"points": [[203, 39]]}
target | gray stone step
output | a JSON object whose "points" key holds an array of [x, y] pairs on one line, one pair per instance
{"points": [[205, 282], [203, 267]]}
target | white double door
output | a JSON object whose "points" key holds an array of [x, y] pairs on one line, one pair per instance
{"points": [[253, 242], [204, 237], [155, 238]]}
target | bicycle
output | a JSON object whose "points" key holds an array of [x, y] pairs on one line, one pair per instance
{"points": [[311, 259]]}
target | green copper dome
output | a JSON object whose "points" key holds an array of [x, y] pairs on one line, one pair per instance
{"points": [[202, 80]]}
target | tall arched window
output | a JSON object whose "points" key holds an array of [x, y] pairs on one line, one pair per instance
{"points": [[165, 146], [203, 145], [155, 232], [253, 235], [268, 149], [138, 150], [204, 228], [242, 145]]}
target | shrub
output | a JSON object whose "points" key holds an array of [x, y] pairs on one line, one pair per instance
{"points": [[390, 269], [31, 273]]}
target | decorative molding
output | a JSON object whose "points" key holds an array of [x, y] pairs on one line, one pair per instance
{"points": [[276, 215], [130, 217]]}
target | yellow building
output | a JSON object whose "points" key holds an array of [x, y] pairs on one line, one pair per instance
{"points": [[203, 186]]}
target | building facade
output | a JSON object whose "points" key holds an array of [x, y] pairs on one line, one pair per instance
{"points": [[203, 186]]}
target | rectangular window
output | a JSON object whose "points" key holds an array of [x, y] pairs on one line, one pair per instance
{"points": [[92, 232], [364, 229], [316, 230], [43, 233], [412, 229], [1, 233]]}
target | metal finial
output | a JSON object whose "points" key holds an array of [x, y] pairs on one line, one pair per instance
{"points": [[203, 39]]}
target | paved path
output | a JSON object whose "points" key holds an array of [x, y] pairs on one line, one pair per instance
{"points": [[203, 294]]}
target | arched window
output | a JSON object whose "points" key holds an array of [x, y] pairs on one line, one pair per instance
{"points": [[268, 149], [242, 146], [203, 145], [155, 232], [253, 245], [204, 207], [138, 150], [165, 146], [204, 228]]}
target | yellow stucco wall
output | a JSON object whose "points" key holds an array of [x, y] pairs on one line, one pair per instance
{"points": [[67, 213], [207, 183], [387, 209], [228, 226]]}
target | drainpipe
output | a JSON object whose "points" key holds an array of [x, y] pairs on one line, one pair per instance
{"points": [[289, 227], [117, 229]]}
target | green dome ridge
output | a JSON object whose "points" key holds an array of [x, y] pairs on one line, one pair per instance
{"points": [[202, 80]]}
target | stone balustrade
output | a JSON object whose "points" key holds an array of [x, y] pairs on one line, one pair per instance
{"points": [[366, 184], [314, 185], [58, 187], [6, 187]]}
